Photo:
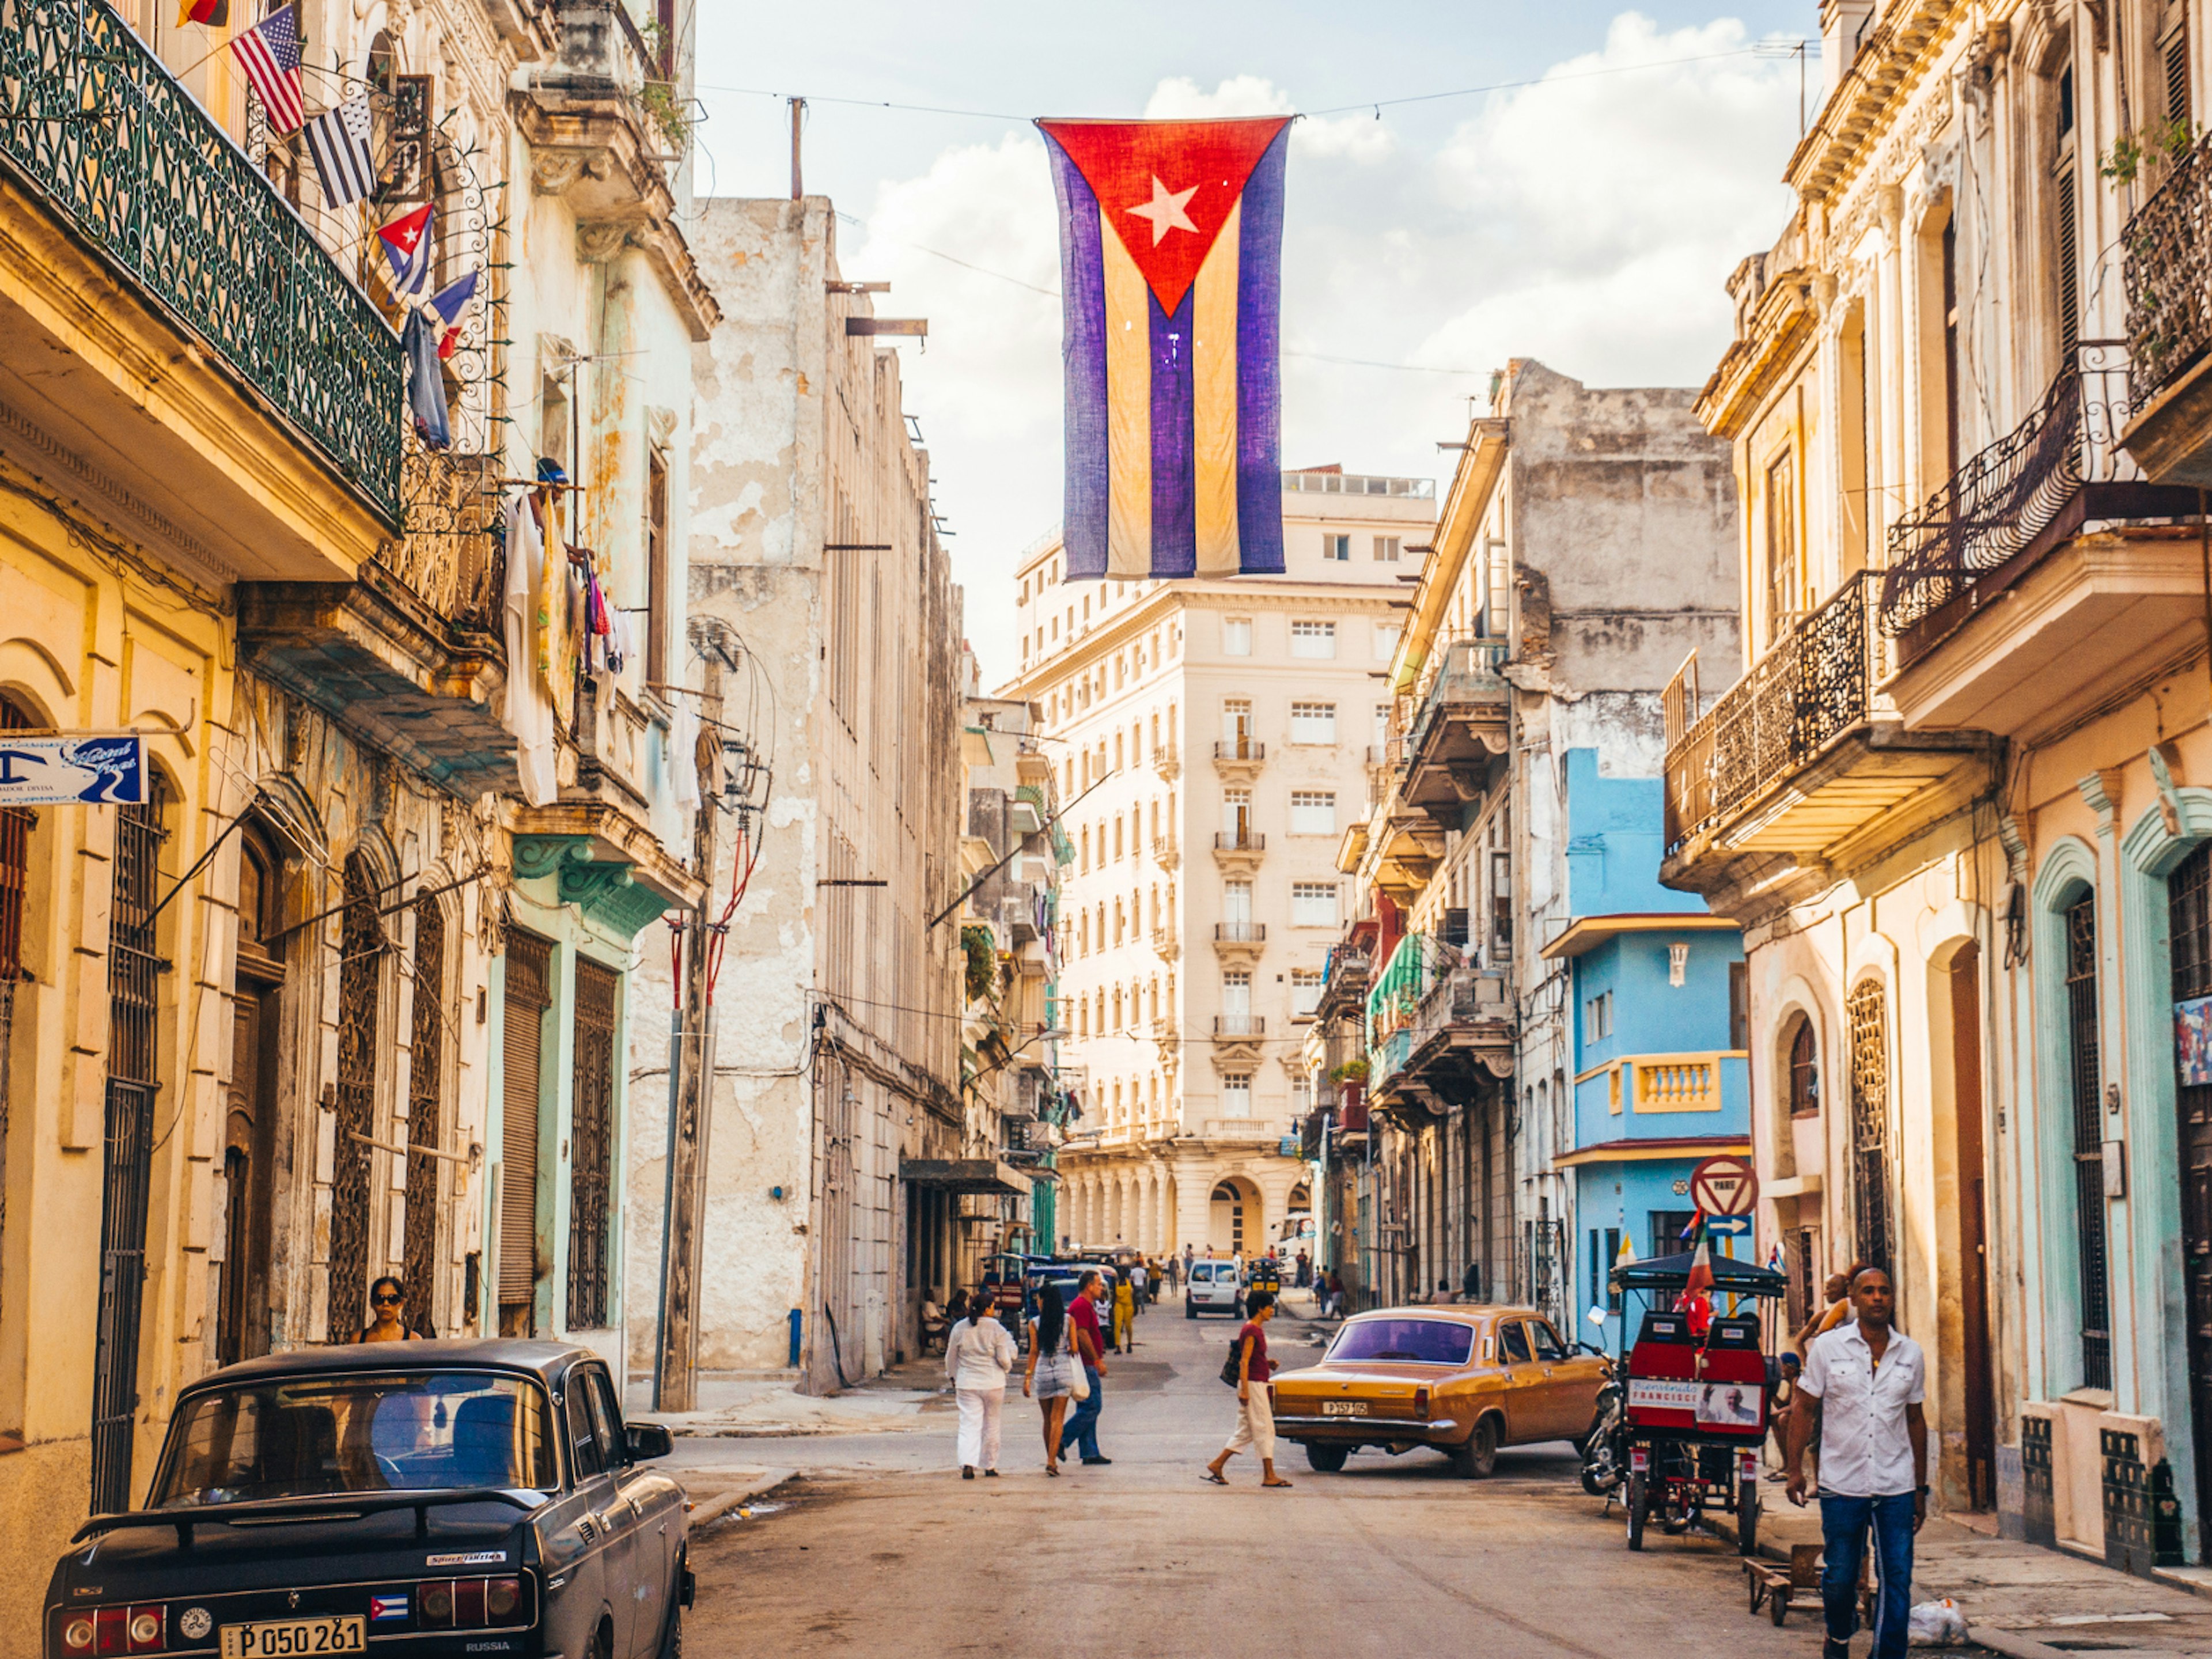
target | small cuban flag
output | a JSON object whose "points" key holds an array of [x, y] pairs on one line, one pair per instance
{"points": [[449, 302], [1172, 245], [407, 244], [387, 1609]]}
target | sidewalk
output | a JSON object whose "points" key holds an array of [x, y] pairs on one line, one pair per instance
{"points": [[2019, 1599]]}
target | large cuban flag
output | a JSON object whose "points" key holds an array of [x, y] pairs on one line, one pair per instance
{"points": [[1171, 237]]}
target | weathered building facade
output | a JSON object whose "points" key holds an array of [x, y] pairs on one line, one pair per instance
{"points": [[1211, 739], [818, 576], [1956, 797], [257, 1045], [1584, 547]]}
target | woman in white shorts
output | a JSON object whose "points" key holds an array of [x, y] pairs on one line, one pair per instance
{"points": [[1050, 1378]]}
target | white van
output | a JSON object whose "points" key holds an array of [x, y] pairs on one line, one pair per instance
{"points": [[1213, 1288]]}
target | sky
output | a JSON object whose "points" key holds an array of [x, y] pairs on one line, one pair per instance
{"points": [[1588, 217]]}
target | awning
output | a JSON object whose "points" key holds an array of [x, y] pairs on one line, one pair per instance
{"points": [[965, 1175], [1653, 1148]]}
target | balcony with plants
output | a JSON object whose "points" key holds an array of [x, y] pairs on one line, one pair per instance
{"points": [[2095, 565], [2166, 248], [168, 323]]}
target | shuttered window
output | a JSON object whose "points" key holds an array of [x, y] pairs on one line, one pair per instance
{"points": [[590, 1150], [528, 958], [2069, 268], [425, 1100]]}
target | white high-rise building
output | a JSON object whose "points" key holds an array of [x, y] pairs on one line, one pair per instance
{"points": [[1212, 739]]}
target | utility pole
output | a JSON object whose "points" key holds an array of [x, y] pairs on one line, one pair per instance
{"points": [[675, 1363], [797, 110]]}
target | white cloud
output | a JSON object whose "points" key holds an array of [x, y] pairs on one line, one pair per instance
{"points": [[1589, 220]]}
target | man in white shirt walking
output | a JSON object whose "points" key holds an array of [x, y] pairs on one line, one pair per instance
{"points": [[1862, 1391]]}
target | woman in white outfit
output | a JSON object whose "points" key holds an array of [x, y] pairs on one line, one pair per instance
{"points": [[978, 1354]]}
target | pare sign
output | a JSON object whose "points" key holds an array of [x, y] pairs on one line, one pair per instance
{"points": [[103, 767]]}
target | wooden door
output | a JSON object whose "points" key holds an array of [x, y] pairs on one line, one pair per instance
{"points": [[522, 1050], [2189, 896], [1980, 1425]]}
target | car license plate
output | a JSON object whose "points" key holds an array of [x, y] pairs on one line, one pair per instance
{"points": [[1343, 1408], [283, 1638]]}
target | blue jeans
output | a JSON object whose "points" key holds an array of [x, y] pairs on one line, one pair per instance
{"points": [[1081, 1429], [1843, 1523]]}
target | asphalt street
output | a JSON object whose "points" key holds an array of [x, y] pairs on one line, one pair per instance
{"points": [[881, 1547]]}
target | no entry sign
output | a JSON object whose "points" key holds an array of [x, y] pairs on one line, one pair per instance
{"points": [[1724, 1185]]}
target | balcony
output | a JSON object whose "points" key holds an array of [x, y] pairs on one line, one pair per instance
{"points": [[175, 347], [2057, 520], [606, 127], [1460, 1039], [1343, 983], [1655, 1085], [1167, 1038], [1238, 1027], [411, 657], [1458, 735], [1167, 852], [1239, 942], [1803, 759], [1239, 759], [1407, 847], [599, 840], [1167, 944], [2168, 277], [1239, 850], [1167, 762]]}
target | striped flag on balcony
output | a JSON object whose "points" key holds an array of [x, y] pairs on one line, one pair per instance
{"points": [[338, 143], [269, 52], [407, 244]]}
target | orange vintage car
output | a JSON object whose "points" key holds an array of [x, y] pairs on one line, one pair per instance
{"points": [[1465, 1380]]}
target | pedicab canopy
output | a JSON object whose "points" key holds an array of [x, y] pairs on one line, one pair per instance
{"points": [[1672, 1273]]}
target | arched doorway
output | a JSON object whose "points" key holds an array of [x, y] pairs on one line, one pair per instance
{"points": [[1235, 1223]]}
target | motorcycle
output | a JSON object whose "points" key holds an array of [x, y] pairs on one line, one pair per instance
{"points": [[1605, 1448]]}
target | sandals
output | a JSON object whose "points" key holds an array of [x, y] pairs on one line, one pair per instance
{"points": [[1217, 1479], [1276, 1486]]}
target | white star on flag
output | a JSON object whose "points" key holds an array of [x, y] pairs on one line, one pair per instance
{"points": [[1165, 210]]}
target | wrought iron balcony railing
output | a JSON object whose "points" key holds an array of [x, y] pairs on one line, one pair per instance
{"points": [[448, 556], [1239, 1026], [2000, 500], [1461, 671], [2168, 274], [94, 124], [1240, 933], [1240, 749], [1813, 686], [1239, 841]]}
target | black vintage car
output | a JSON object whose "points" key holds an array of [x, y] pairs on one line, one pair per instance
{"points": [[415, 1500]]}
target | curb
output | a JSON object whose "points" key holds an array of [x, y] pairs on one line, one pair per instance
{"points": [[719, 1504]]}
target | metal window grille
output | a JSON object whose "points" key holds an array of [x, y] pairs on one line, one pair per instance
{"points": [[528, 964], [2189, 898], [425, 1113], [133, 1001], [1869, 1038], [2088, 1142], [591, 1166], [361, 968]]}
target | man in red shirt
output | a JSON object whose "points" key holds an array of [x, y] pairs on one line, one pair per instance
{"points": [[1255, 1407], [1082, 1429]]}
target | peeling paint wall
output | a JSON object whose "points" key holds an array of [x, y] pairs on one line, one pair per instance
{"points": [[837, 1012]]}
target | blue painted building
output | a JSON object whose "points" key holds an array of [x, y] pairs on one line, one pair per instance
{"points": [[1655, 992]]}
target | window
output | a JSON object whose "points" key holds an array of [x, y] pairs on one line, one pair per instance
{"points": [[657, 617], [1313, 904], [1237, 816], [1501, 897], [1548, 1350], [1237, 636], [1597, 1017], [1237, 1095], [1386, 549], [1300, 1097], [1313, 638], [1313, 722], [1867, 1017], [1785, 576], [1236, 726], [1305, 992], [1336, 548], [1804, 1072], [1237, 908], [2087, 1077], [1386, 642], [1513, 1342], [1313, 812]]}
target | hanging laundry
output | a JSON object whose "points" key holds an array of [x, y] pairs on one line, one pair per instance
{"points": [[426, 385], [549, 591], [683, 757], [529, 712]]}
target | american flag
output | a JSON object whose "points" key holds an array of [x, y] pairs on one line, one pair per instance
{"points": [[269, 52]]}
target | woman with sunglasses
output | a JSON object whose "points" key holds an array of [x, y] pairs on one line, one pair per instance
{"points": [[387, 1300]]}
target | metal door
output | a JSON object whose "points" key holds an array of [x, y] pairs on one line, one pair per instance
{"points": [[526, 1000], [133, 1001], [590, 1146], [1870, 1126], [361, 975], [2189, 896], [426, 1077], [2087, 1089]]}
